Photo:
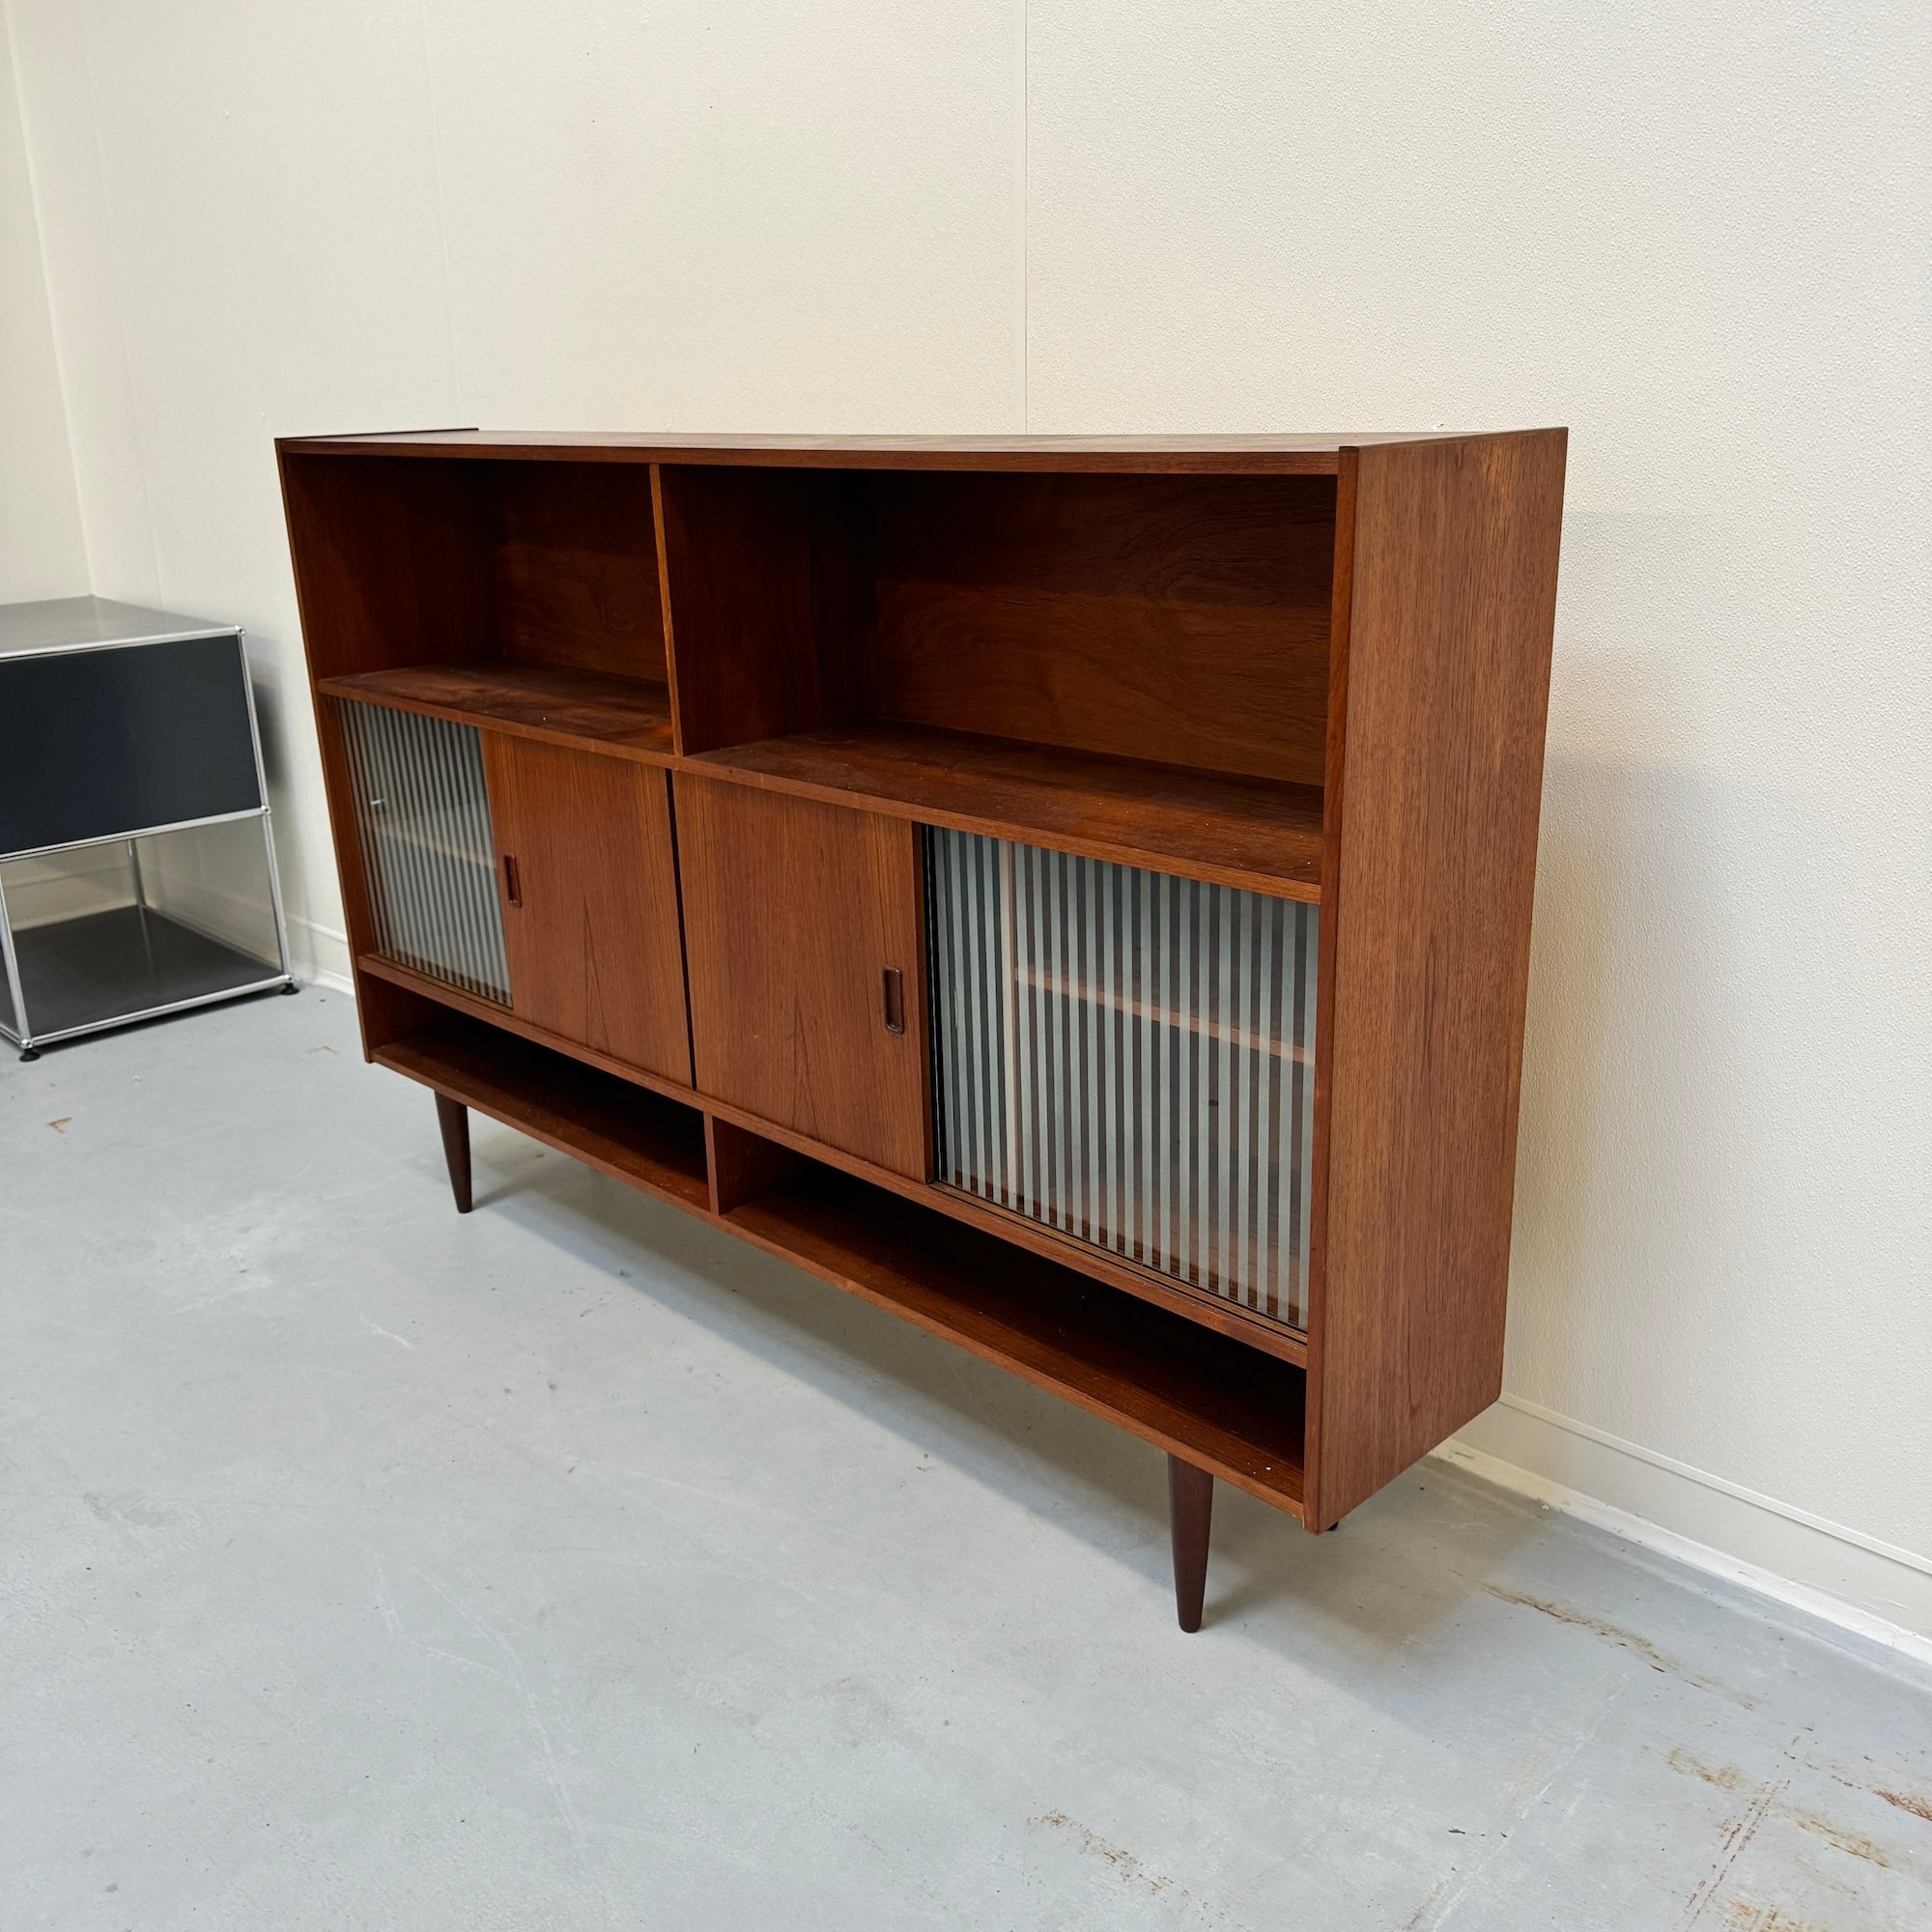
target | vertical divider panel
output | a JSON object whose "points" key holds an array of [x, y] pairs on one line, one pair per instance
{"points": [[764, 589], [742, 1165]]}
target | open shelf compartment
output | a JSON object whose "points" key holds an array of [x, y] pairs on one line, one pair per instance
{"points": [[523, 596], [1217, 1403], [1135, 668], [644, 1138]]}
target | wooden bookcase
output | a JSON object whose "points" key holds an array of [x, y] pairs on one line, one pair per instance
{"points": [[1074, 894]]}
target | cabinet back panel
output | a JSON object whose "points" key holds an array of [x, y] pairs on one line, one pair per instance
{"points": [[392, 564], [405, 562], [575, 567], [1178, 618]]}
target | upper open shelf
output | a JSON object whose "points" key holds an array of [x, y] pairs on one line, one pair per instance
{"points": [[1242, 832], [1130, 664]]}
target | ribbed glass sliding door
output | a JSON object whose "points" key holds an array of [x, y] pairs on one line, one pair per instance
{"points": [[422, 817], [1129, 1057]]}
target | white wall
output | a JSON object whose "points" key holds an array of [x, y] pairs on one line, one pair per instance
{"points": [[1692, 232], [40, 554]]}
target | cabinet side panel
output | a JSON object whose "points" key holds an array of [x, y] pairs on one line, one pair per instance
{"points": [[1452, 603]]}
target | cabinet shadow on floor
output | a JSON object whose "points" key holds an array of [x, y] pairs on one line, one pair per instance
{"points": [[1363, 1584]]}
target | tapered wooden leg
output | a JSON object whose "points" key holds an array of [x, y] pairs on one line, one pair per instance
{"points": [[1190, 1508], [453, 1118]]}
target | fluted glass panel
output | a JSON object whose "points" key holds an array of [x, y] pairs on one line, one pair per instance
{"points": [[1128, 1057], [423, 818]]}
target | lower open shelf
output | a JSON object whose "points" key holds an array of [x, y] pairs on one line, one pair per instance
{"points": [[652, 1141], [1215, 1402], [1223, 1406]]}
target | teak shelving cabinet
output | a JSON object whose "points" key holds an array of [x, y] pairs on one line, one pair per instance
{"points": [[1074, 894]]}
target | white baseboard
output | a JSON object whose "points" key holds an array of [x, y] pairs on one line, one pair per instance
{"points": [[321, 955], [1851, 1580]]}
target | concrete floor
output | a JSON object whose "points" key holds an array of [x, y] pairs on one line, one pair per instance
{"points": [[573, 1566]]}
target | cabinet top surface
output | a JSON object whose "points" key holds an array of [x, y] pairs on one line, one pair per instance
{"points": [[1304, 454], [86, 623]]}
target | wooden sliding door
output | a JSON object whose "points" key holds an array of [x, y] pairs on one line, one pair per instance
{"points": [[589, 896], [806, 939]]}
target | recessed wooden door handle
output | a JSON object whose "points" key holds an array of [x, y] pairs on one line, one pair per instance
{"points": [[512, 890], [894, 999]]}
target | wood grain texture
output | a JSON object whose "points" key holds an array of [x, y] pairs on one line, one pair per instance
{"points": [[792, 911], [575, 568], [652, 1142], [593, 948], [1178, 618], [1225, 1408], [762, 600], [391, 562], [1452, 604], [582, 710], [1237, 832]]}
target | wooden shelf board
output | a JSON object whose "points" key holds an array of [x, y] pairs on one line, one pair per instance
{"points": [[1257, 834], [509, 1021], [653, 1144], [586, 710], [1224, 1406]]}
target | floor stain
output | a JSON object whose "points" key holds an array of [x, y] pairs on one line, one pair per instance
{"points": [[1906, 1800], [1417, 1919], [61, 1125], [1742, 1915], [1623, 1639], [1123, 1862], [1729, 1777], [1738, 1835]]}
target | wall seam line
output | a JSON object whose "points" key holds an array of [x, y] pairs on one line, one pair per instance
{"points": [[460, 410], [62, 374], [120, 336]]}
